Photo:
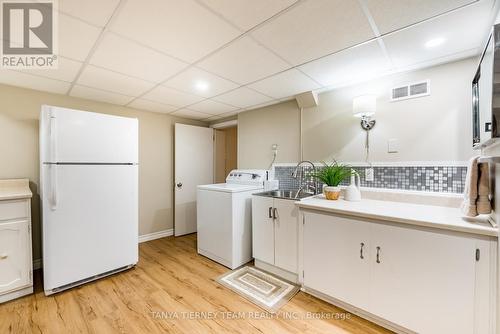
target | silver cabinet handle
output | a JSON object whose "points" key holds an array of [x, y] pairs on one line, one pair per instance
{"points": [[378, 254], [275, 213], [3, 256], [361, 256], [270, 212]]}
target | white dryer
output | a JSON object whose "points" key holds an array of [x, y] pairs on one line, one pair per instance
{"points": [[224, 217]]}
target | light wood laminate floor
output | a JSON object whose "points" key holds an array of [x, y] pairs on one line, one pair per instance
{"points": [[162, 295]]}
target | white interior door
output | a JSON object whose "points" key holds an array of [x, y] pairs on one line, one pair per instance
{"points": [[194, 165]]}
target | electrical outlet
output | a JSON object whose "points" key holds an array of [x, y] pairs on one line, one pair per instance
{"points": [[369, 174]]}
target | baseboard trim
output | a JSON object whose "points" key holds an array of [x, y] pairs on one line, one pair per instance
{"points": [[156, 235]]}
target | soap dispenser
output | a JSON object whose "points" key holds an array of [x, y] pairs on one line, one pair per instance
{"points": [[353, 192]]}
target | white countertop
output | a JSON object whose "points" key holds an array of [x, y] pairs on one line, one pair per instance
{"points": [[14, 189], [442, 217]]}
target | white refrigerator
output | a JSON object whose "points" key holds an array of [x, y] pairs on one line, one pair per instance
{"points": [[89, 195]]}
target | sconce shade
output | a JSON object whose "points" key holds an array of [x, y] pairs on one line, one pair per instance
{"points": [[364, 105]]}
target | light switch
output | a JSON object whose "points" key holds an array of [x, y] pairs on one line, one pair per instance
{"points": [[392, 146]]}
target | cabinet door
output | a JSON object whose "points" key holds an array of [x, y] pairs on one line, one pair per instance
{"points": [[14, 256], [285, 234], [424, 280], [336, 257], [262, 229]]}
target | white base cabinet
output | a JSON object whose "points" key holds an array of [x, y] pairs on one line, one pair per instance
{"points": [[15, 242], [425, 281], [275, 232]]}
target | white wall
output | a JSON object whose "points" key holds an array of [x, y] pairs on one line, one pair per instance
{"points": [[432, 128], [19, 113], [259, 129]]}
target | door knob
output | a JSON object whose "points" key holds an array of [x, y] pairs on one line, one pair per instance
{"points": [[179, 185]]}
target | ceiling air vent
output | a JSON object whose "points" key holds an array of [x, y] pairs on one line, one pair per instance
{"points": [[410, 91]]}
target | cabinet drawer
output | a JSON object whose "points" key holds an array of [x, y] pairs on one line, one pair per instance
{"points": [[14, 209]]}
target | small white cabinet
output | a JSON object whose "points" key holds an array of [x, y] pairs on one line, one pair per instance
{"points": [[263, 229], [16, 270], [14, 255], [423, 280], [275, 232]]}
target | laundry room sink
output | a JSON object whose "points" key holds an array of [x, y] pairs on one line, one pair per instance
{"points": [[286, 194]]}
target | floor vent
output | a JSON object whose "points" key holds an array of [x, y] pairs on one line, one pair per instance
{"points": [[410, 91]]}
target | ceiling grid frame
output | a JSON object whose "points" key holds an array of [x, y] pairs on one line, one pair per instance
{"points": [[107, 29]]}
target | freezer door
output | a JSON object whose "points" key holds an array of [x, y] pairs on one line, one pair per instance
{"points": [[90, 221], [72, 136]]}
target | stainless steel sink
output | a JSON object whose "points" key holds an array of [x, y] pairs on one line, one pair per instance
{"points": [[286, 194]]}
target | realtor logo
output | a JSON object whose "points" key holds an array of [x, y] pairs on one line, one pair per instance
{"points": [[28, 31]]}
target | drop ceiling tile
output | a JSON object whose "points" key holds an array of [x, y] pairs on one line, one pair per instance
{"points": [[360, 63], [244, 61], [183, 29], [212, 107], [151, 106], [390, 15], [14, 78], [199, 82], [124, 56], [66, 71], [315, 28], [186, 113], [114, 82], [262, 105], [99, 95], [247, 14], [461, 30], [76, 38], [97, 12], [243, 97], [285, 84], [212, 118], [221, 116], [166, 95]]}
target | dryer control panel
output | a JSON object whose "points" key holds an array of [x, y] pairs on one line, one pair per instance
{"points": [[247, 176]]}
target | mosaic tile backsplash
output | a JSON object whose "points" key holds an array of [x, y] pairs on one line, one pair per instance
{"points": [[449, 179]]}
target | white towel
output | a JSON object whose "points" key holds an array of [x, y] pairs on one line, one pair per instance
{"points": [[468, 207]]}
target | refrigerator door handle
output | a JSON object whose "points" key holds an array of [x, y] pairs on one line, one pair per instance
{"points": [[53, 186], [53, 139]]}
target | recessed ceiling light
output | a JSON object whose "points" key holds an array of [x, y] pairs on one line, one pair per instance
{"points": [[434, 42], [202, 86]]}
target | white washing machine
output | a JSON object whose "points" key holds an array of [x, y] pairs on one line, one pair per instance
{"points": [[224, 217]]}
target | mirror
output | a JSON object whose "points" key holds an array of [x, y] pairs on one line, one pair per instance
{"points": [[486, 94]]}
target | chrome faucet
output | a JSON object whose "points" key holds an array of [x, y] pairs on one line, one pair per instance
{"points": [[311, 187]]}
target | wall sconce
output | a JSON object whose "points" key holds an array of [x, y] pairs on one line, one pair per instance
{"points": [[365, 107]]}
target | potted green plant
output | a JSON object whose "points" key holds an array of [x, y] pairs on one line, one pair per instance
{"points": [[332, 176]]}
